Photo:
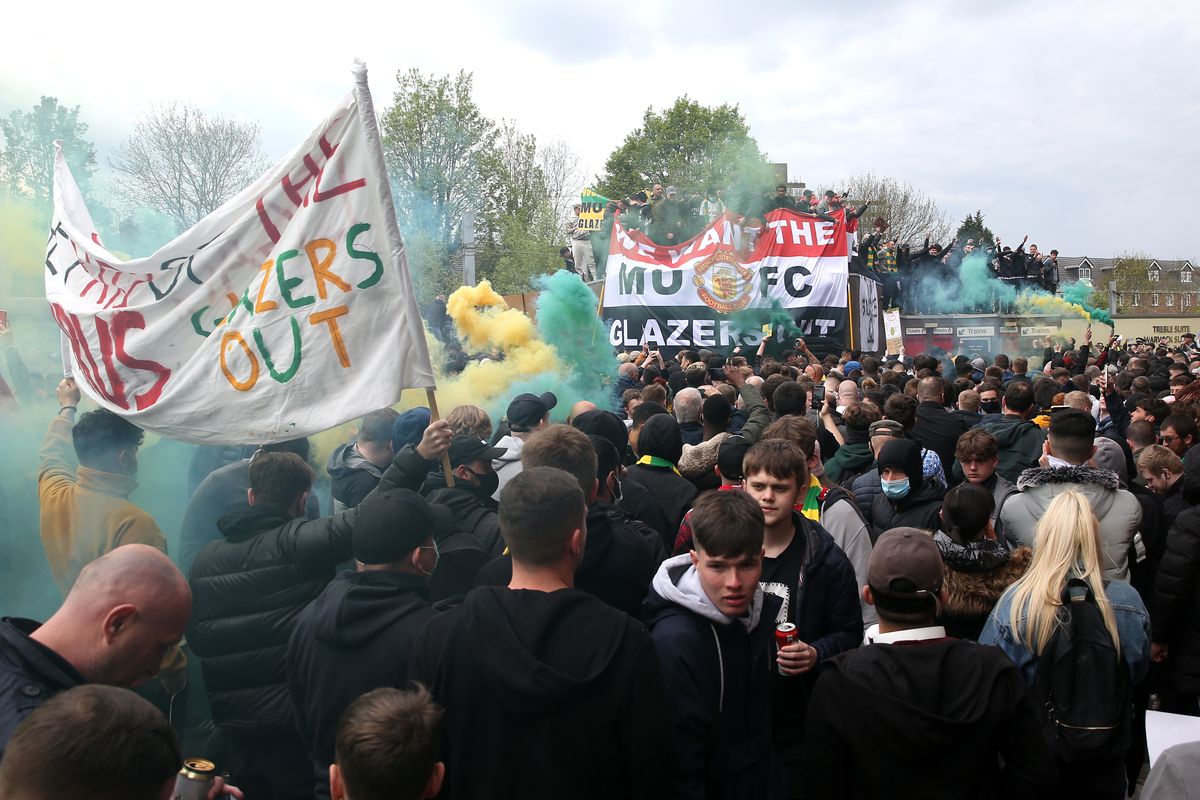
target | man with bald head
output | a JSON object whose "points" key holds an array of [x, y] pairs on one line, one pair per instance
{"points": [[123, 613], [937, 429], [582, 407]]}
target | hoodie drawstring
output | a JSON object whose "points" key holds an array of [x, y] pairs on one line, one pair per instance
{"points": [[720, 667]]}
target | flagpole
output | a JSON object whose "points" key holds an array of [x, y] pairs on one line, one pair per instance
{"points": [[366, 111]]}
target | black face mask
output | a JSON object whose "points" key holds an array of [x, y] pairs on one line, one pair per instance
{"points": [[990, 406], [489, 482]]}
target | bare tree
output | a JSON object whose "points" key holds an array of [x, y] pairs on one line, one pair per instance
{"points": [[910, 215], [564, 179], [186, 163]]}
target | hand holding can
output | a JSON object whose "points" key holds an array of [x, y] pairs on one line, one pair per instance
{"points": [[794, 657]]}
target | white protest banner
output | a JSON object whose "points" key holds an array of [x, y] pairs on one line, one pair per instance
{"points": [[286, 311], [891, 331]]}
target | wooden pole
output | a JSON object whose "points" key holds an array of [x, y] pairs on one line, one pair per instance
{"points": [[434, 416]]}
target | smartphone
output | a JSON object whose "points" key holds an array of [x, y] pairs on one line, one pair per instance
{"points": [[1055, 409], [818, 396]]}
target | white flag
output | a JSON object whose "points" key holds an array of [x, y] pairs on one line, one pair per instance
{"points": [[286, 311]]}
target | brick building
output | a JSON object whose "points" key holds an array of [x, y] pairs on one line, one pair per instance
{"points": [[1145, 287]]}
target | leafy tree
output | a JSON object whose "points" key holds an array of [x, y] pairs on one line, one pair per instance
{"points": [[910, 215], [972, 227], [690, 146], [185, 163], [439, 151], [27, 161], [1131, 272]]}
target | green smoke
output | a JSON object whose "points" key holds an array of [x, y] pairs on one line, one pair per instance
{"points": [[752, 319], [1079, 293]]}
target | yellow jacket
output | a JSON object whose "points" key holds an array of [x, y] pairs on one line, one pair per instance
{"points": [[84, 512]]}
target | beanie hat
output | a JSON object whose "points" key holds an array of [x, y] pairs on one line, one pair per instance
{"points": [[904, 455]]}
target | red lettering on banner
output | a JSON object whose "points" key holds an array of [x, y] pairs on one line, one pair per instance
{"points": [[124, 321], [106, 355]]}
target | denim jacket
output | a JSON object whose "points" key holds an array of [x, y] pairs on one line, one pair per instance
{"points": [[1133, 628]]}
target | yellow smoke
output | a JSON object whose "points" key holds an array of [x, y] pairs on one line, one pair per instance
{"points": [[1041, 303]]}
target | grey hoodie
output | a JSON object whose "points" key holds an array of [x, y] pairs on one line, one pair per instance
{"points": [[508, 466], [678, 582]]}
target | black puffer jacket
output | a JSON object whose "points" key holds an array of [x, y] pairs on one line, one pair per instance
{"points": [[917, 510], [977, 573], [249, 588], [1176, 617]]}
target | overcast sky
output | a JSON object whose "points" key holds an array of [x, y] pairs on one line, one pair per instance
{"points": [[1075, 122]]}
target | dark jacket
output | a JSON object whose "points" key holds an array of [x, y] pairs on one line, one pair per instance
{"points": [[352, 476], [476, 539], [864, 489], [1176, 617], [977, 573], [571, 685], [929, 718], [822, 601], [1019, 442], [30, 674], [617, 561], [849, 462], [355, 637], [692, 432], [916, 510], [223, 491], [717, 678], [672, 494], [938, 430], [248, 591]]}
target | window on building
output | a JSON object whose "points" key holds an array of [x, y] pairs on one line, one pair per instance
{"points": [[1185, 300], [1185, 276], [1154, 299], [1085, 274], [1137, 299], [1153, 275], [1170, 299]]}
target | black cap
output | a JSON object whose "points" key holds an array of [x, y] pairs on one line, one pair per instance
{"points": [[465, 448], [527, 410], [730, 455], [393, 523]]}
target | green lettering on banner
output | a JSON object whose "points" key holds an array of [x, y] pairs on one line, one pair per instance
{"points": [[287, 284], [365, 255], [281, 377], [658, 278], [633, 281]]}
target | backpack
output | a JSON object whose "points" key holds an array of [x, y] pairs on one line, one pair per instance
{"points": [[1084, 684]]}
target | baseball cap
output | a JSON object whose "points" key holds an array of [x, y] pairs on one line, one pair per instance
{"points": [[465, 448], [392, 523], [888, 426], [850, 366], [730, 455], [905, 564], [979, 364], [526, 410]]}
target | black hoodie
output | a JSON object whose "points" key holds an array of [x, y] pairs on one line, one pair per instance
{"points": [[547, 695], [925, 719], [355, 637], [617, 561], [672, 493]]}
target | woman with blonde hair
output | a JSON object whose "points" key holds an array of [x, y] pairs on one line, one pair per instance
{"points": [[1036, 617]]}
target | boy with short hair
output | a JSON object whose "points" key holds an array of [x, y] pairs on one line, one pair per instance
{"points": [[713, 627], [387, 747], [803, 566]]}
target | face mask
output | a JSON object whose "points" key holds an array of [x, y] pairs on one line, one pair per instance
{"points": [[895, 490], [436, 557], [990, 407], [617, 492], [489, 482]]}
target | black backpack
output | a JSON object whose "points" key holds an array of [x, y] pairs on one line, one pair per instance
{"points": [[1084, 684]]}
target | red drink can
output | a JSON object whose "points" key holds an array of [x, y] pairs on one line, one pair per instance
{"points": [[785, 634]]}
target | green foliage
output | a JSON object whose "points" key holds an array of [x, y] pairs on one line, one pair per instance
{"points": [[522, 257], [439, 151], [690, 146], [27, 161], [972, 227], [1131, 273]]}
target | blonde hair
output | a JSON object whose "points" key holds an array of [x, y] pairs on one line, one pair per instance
{"points": [[1066, 545], [1156, 458], [470, 420]]}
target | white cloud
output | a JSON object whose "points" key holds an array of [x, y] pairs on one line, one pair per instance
{"points": [[1073, 121]]}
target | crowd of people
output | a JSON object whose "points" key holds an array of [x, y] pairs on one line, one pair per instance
{"points": [[723, 577], [903, 269]]}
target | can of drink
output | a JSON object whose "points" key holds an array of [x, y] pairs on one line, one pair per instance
{"points": [[785, 634], [194, 780]]}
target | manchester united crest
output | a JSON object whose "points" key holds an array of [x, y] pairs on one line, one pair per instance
{"points": [[723, 284]]}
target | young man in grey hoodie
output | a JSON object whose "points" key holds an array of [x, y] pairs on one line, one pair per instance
{"points": [[527, 414], [714, 628]]}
